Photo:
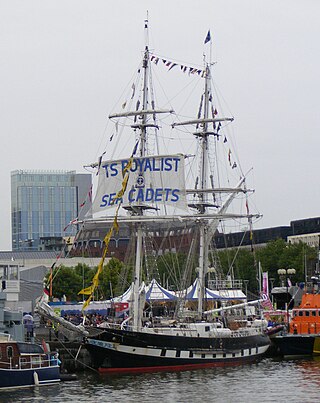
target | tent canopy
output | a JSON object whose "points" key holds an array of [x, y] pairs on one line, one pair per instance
{"points": [[154, 292], [192, 293]]}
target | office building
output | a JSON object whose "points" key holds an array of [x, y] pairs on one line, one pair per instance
{"points": [[43, 203]]}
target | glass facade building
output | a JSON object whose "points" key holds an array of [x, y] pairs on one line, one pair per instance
{"points": [[44, 202]]}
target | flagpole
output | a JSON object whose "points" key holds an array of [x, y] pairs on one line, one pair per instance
{"points": [[208, 39], [260, 273], [210, 50], [50, 292]]}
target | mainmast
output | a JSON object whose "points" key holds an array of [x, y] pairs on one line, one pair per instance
{"points": [[139, 210], [206, 127], [203, 253]]}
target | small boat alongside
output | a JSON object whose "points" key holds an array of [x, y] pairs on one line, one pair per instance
{"points": [[22, 364], [26, 364], [294, 345], [271, 331], [303, 338]]}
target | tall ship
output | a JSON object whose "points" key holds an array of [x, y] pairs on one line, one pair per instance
{"points": [[150, 190]]}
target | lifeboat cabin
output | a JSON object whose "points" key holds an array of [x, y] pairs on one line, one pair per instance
{"points": [[306, 318]]}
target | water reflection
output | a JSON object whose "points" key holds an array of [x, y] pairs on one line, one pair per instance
{"points": [[309, 371], [268, 381]]}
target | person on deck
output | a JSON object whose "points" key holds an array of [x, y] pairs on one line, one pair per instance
{"points": [[55, 359], [28, 325]]}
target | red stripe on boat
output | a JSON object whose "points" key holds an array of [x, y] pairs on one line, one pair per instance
{"points": [[159, 368]]}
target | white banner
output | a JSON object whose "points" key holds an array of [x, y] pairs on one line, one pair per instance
{"points": [[152, 180]]}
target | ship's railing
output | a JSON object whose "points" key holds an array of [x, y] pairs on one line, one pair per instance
{"points": [[37, 361], [174, 331], [5, 336], [220, 333], [246, 332], [225, 284]]}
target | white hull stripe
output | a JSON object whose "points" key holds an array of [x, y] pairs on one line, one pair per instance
{"points": [[182, 354], [41, 383]]}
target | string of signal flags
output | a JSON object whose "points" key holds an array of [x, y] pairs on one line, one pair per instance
{"points": [[171, 64]]}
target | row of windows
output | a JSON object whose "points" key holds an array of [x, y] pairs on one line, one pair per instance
{"points": [[8, 273], [44, 178], [306, 313], [46, 195]]}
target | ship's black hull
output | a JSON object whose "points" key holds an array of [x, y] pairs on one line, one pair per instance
{"points": [[294, 345], [118, 350]]}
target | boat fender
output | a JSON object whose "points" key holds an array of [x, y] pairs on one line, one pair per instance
{"points": [[36, 379], [68, 377]]}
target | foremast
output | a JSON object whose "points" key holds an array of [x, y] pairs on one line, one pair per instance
{"points": [[144, 118], [137, 210]]}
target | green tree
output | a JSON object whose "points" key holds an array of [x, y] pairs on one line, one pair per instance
{"points": [[281, 255], [86, 273], [69, 281], [173, 268], [270, 255], [108, 279], [66, 282], [243, 267], [275, 255], [298, 256]]}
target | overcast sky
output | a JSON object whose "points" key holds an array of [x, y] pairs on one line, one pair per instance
{"points": [[63, 64]]}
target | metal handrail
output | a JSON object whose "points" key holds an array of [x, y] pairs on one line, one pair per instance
{"points": [[36, 362]]}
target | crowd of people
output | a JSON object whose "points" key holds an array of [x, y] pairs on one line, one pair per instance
{"points": [[93, 319]]}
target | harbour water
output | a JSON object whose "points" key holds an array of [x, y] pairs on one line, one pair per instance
{"points": [[270, 380]]}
